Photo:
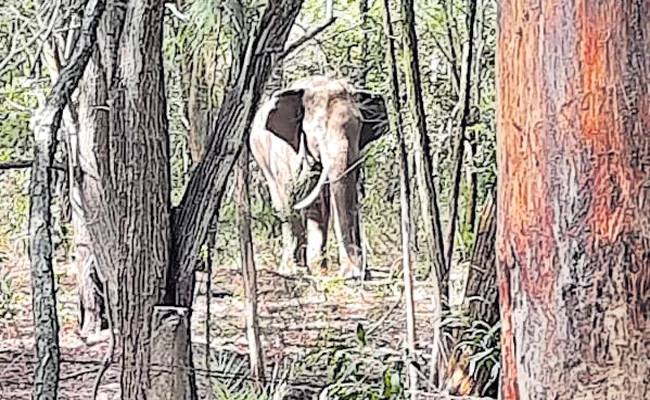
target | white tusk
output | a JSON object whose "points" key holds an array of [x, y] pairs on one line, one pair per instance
{"points": [[314, 193]]}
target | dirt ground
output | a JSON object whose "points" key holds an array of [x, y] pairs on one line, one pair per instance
{"points": [[298, 316]]}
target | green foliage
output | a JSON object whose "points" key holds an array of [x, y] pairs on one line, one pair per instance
{"points": [[231, 380], [359, 372], [9, 297], [483, 342]]}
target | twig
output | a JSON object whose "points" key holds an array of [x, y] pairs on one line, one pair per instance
{"points": [[21, 164], [79, 373], [381, 320], [176, 12], [46, 30], [108, 357], [308, 36]]}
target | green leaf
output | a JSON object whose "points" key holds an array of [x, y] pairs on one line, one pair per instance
{"points": [[361, 335]]}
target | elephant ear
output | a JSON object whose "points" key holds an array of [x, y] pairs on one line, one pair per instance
{"points": [[374, 116], [285, 117]]}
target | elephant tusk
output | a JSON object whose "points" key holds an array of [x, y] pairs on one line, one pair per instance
{"points": [[314, 193]]}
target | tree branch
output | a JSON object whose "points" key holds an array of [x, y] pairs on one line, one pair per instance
{"points": [[308, 36], [459, 149], [22, 164], [44, 30]]}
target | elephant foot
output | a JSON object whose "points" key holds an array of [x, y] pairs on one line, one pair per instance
{"points": [[318, 267], [292, 269], [352, 271]]}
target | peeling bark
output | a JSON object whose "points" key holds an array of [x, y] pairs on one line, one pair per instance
{"points": [[169, 342], [573, 237]]}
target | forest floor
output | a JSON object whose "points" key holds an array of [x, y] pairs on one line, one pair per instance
{"points": [[298, 318]]}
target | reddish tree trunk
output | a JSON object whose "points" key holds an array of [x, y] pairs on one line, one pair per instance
{"points": [[573, 237]]}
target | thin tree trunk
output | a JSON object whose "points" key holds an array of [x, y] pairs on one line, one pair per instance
{"points": [[422, 147], [46, 123], [459, 147], [361, 181], [196, 112], [472, 183], [89, 285], [248, 267], [405, 197], [573, 230], [472, 203], [207, 185], [46, 378]]}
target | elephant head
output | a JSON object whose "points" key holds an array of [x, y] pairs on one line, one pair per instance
{"points": [[331, 122]]}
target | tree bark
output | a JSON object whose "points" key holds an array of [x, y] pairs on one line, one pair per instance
{"points": [[139, 132], [207, 185], [405, 196], [92, 135], [422, 146], [92, 185], [169, 342], [481, 295], [572, 237], [196, 112], [45, 125]]}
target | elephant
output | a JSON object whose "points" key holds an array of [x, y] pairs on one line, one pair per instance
{"points": [[317, 123]]}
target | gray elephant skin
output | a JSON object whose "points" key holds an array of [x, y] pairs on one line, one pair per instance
{"points": [[323, 123]]}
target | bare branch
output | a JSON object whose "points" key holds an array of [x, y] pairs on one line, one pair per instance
{"points": [[43, 31], [22, 164], [308, 36]]}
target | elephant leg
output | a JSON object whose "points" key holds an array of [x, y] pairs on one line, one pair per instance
{"points": [[318, 215], [292, 246], [346, 225], [290, 225]]}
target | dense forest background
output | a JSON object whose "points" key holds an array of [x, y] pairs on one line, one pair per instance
{"points": [[353, 46], [347, 39]]}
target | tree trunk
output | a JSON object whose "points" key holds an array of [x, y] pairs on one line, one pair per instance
{"points": [[572, 238], [169, 341], [85, 192], [46, 324], [480, 303], [405, 196], [248, 267], [196, 112], [422, 147], [95, 230], [207, 185], [46, 123], [459, 146], [139, 131]]}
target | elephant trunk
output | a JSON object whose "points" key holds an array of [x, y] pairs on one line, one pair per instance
{"points": [[346, 223], [313, 195]]}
